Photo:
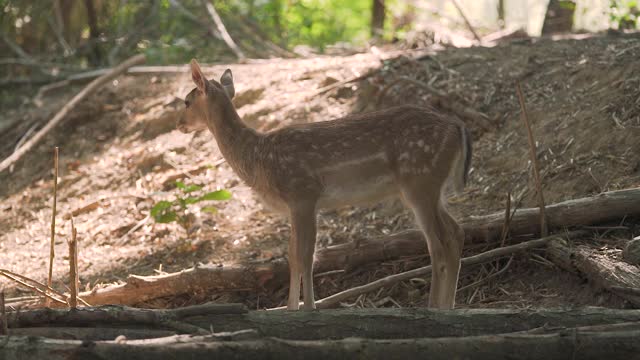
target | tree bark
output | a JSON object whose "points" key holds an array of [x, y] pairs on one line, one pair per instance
{"points": [[377, 18], [601, 270], [584, 211], [382, 323], [385, 323], [558, 18], [95, 54], [567, 343]]}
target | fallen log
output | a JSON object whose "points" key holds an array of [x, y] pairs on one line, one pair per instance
{"points": [[600, 208], [603, 271], [567, 343], [115, 315], [93, 333], [383, 323]]}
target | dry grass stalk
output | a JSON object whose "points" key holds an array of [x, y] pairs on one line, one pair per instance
{"points": [[73, 267], [53, 218], [534, 161], [35, 286]]}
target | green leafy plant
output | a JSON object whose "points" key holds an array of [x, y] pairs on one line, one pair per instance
{"points": [[166, 211], [624, 14]]}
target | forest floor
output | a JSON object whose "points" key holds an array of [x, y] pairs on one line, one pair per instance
{"points": [[120, 153]]}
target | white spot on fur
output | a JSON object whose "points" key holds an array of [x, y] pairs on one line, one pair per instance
{"points": [[427, 148], [420, 143]]}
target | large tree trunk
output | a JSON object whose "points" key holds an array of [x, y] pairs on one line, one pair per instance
{"points": [[559, 17], [377, 18], [95, 52]]}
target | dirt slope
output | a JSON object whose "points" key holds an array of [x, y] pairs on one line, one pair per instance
{"points": [[120, 153]]}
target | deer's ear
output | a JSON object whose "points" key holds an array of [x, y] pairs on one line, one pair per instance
{"points": [[226, 80], [198, 76]]}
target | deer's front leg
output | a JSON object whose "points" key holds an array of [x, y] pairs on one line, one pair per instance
{"points": [[294, 274], [301, 249]]}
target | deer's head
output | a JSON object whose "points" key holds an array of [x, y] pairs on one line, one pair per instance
{"points": [[207, 101]]}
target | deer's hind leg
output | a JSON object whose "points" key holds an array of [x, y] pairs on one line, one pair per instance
{"points": [[444, 240], [301, 250]]}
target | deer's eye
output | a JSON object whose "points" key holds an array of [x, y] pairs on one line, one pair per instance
{"points": [[186, 103]]}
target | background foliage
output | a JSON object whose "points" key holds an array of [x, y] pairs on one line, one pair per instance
{"points": [[62, 34]]}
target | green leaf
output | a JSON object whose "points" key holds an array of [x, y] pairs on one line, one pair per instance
{"points": [[162, 212], [160, 206], [191, 200], [187, 188], [216, 195], [191, 188], [166, 217], [210, 209]]}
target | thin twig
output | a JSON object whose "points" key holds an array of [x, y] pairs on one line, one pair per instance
{"points": [[133, 229], [22, 280], [16, 48], [52, 252], [489, 277], [534, 161], [73, 267], [328, 273], [466, 20]]}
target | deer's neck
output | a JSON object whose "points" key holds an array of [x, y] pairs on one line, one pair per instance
{"points": [[235, 139]]}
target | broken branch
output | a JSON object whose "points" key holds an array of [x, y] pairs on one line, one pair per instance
{"points": [[534, 161], [223, 30]]}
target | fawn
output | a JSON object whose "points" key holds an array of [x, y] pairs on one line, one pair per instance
{"points": [[405, 151]]}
